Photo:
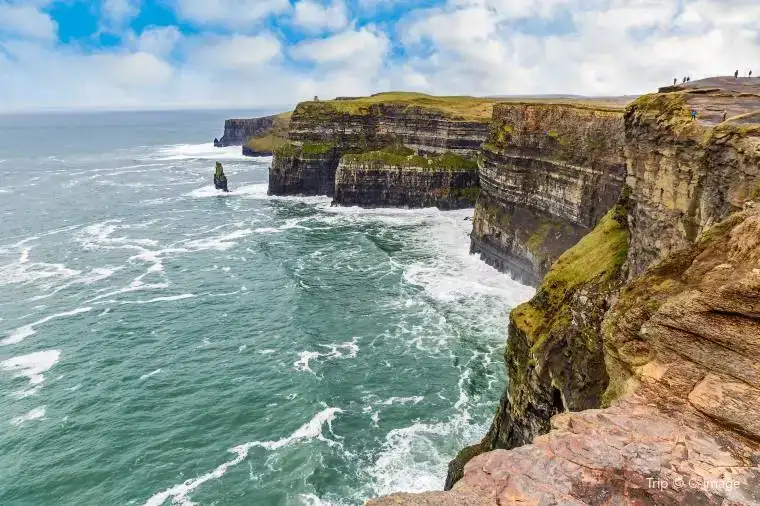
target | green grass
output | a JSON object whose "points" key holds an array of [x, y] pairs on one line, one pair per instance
{"points": [[597, 257], [274, 137], [290, 150], [401, 156], [460, 108]]}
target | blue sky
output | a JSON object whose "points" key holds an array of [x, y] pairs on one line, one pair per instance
{"points": [[147, 54]]}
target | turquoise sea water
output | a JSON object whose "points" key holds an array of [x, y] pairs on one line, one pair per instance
{"points": [[164, 344]]}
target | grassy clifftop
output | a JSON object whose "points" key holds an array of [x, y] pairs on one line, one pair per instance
{"points": [[400, 156], [458, 108], [272, 139]]}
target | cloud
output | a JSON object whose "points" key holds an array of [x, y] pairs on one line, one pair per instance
{"points": [[117, 12], [237, 52], [26, 21], [314, 16], [157, 40], [363, 47], [229, 13]]}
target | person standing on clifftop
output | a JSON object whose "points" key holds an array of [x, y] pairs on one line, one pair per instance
{"points": [[675, 81], [736, 75], [694, 114], [750, 73], [220, 180], [725, 116]]}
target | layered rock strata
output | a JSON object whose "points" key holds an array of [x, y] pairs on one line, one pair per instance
{"points": [[238, 131], [687, 175], [401, 179], [549, 172], [427, 125]]}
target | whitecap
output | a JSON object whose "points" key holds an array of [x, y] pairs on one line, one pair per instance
{"points": [[25, 331], [349, 349], [34, 414], [205, 151], [31, 366], [148, 375], [313, 429]]}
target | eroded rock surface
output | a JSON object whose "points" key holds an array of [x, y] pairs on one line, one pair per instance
{"points": [[549, 172]]}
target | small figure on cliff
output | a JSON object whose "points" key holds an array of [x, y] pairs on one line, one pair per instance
{"points": [[220, 180], [736, 75], [694, 114], [750, 74], [675, 81], [688, 79], [725, 116], [684, 80]]}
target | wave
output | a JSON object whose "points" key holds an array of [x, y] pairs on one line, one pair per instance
{"points": [[31, 366], [205, 151], [305, 357], [25, 331], [313, 429], [252, 190], [34, 414], [148, 375]]}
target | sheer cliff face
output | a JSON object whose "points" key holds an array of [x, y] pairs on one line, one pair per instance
{"points": [[341, 130], [549, 172], [685, 175], [388, 184], [238, 131], [680, 338]]}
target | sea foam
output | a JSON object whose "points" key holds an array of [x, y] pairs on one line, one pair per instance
{"points": [[25, 331], [31, 366], [313, 429]]}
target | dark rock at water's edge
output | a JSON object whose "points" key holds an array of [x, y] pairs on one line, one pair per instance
{"points": [[220, 179], [247, 151], [396, 177]]}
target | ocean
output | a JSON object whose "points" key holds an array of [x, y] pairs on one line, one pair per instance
{"points": [[161, 343]]}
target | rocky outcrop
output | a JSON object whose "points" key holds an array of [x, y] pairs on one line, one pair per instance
{"points": [[684, 425], [427, 125], [238, 131], [398, 178], [549, 172], [555, 351], [304, 169], [687, 175]]}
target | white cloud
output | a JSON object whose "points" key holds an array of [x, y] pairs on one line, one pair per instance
{"points": [[26, 21], [237, 52], [116, 12], [363, 47], [607, 47], [480, 47], [158, 40], [314, 16], [229, 13]]}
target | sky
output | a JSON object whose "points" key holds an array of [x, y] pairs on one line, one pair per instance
{"points": [[189, 54]]}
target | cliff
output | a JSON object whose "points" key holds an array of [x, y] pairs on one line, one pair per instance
{"points": [[688, 175], [268, 140], [396, 177], [688, 432], [654, 314], [549, 172], [425, 124], [259, 136]]}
